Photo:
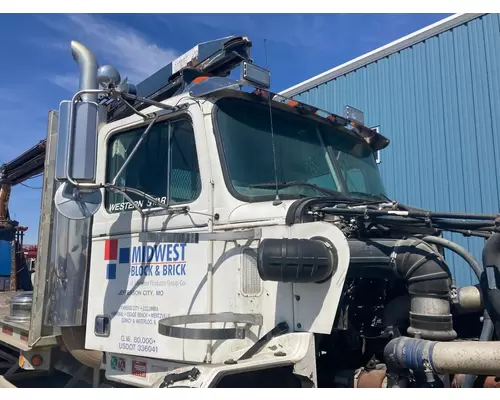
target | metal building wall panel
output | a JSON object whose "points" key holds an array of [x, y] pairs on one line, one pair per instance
{"points": [[439, 103], [492, 46]]}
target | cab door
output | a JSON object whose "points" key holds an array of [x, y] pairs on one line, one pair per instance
{"points": [[135, 283]]}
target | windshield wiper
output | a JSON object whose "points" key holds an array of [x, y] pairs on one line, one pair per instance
{"points": [[323, 190], [375, 197]]}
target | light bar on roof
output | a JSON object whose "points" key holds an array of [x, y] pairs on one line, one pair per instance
{"points": [[255, 76]]}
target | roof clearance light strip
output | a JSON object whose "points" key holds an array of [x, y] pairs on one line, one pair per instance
{"points": [[367, 133], [307, 109]]}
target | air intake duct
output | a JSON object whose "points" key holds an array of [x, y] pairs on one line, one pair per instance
{"points": [[428, 280], [296, 260]]}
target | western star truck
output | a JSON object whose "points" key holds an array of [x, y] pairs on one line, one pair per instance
{"points": [[198, 230]]}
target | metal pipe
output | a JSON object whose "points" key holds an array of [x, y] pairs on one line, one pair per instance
{"points": [[134, 150], [88, 69], [470, 299], [96, 378], [478, 358], [486, 336]]}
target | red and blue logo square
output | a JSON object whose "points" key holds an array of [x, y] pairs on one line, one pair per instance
{"points": [[114, 255]]}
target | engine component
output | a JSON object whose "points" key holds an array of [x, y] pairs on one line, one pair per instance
{"points": [[396, 312], [362, 307], [375, 378], [479, 358], [296, 260], [428, 280], [469, 299]]}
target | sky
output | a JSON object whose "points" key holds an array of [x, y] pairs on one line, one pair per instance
{"points": [[37, 71]]}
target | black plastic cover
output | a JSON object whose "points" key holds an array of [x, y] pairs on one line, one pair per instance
{"points": [[296, 260]]}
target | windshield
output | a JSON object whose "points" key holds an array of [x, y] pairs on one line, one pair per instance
{"points": [[310, 156]]}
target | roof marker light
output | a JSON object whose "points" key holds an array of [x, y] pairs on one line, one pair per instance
{"points": [[200, 79]]}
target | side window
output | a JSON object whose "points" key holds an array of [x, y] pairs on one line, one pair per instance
{"points": [[148, 168]]}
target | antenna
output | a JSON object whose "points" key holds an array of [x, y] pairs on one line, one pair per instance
{"points": [[277, 201]]}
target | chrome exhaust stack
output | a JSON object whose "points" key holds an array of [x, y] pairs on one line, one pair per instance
{"points": [[68, 272], [88, 69], [69, 269]]}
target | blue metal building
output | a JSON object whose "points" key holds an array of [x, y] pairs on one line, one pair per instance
{"points": [[436, 95]]}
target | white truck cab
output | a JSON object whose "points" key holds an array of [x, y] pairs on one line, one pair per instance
{"points": [[181, 194], [201, 231]]}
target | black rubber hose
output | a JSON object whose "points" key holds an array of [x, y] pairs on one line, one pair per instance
{"points": [[474, 264], [469, 233], [487, 329], [439, 224]]}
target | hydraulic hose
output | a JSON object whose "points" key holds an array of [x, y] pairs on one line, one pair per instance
{"points": [[474, 264], [487, 329]]}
